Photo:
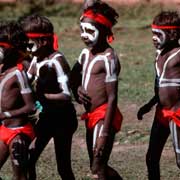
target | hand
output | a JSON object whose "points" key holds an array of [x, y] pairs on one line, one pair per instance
{"points": [[83, 96], [143, 110]]}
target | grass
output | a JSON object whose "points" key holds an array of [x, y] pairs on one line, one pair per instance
{"points": [[134, 46]]}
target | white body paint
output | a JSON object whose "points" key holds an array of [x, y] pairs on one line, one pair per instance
{"points": [[34, 46], [62, 78], [22, 79], [109, 66], [162, 81]]}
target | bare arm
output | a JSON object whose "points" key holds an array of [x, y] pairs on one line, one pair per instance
{"points": [[62, 70]]}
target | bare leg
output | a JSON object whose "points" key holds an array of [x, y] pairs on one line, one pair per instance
{"points": [[158, 138], [62, 142], [175, 131], [4, 153], [18, 149], [100, 160], [43, 135]]}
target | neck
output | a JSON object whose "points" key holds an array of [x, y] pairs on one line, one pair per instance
{"points": [[100, 47], [45, 54]]}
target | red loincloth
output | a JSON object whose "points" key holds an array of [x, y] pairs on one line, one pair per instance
{"points": [[99, 114], [166, 115], [8, 134]]}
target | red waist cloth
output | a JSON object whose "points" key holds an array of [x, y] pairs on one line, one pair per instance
{"points": [[166, 115], [99, 114], [8, 134]]}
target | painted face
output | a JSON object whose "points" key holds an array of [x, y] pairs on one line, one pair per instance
{"points": [[89, 33], [159, 38], [33, 46]]}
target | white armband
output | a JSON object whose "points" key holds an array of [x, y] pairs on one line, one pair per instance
{"points": [[7, 114]]}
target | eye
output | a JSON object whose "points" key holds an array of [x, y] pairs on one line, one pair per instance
{"points": [[90, 31], [30, 45]]}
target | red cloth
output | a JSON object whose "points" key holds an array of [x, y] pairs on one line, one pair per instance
{"points": [[8, 134], [166, 115], [40, 35], [154, 26], [99, 114], [97, 17]]}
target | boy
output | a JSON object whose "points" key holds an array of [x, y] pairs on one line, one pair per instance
{"points": [[100, 68], [166, 34], [50, 71], [16, 100]]}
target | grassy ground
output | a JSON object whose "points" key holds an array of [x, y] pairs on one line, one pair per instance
{"points": [[134, 47]]}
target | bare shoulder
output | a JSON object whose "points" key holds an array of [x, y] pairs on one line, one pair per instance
{"points": [[62, 61], [111, 54]]}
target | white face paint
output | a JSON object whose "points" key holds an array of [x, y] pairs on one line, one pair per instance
{"points": [[89, 32], [33, 47], [159, 38]]}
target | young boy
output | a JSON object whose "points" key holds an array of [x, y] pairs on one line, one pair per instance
{"points": [[100, 68], [51, 71], [16, 100], [166, 34]]}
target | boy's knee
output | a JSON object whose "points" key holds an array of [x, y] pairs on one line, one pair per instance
{"points": [[19, 153]]}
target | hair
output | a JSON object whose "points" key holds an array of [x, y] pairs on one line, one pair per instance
{"points": [[105, 10], [11, 32], [36, 24], [169, 18]]}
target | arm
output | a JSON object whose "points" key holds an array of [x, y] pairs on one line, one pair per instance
{"points": [[76, 79], [25, 90], [148, 106], [62, 70]]}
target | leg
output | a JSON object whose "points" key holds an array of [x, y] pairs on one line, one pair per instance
{"points": [[18, 149], [175, 131], [43, 135], [62, 143], [158, 138], [100, 159], [4, 153], [89, 143]]}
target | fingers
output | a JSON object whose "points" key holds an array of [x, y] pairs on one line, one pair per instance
{"points": [[83, 96]]}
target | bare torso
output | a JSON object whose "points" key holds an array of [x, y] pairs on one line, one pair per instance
{"points": [[11, 86], [168, 72], [98, 70]]}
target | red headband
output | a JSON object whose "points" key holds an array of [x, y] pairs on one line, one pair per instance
{"points": [[5, 44], [99, 18], [40, 35], [164, 27]]}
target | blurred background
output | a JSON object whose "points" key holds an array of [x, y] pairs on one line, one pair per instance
{"points": [[133, 44]]}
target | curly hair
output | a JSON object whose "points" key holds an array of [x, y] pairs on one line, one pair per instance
{"points": [[36, 24], [105, 10], [169, 18], [12, 33]]}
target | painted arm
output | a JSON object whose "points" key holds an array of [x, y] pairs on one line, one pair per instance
{"points": [[25, 91], [62, 70]]}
